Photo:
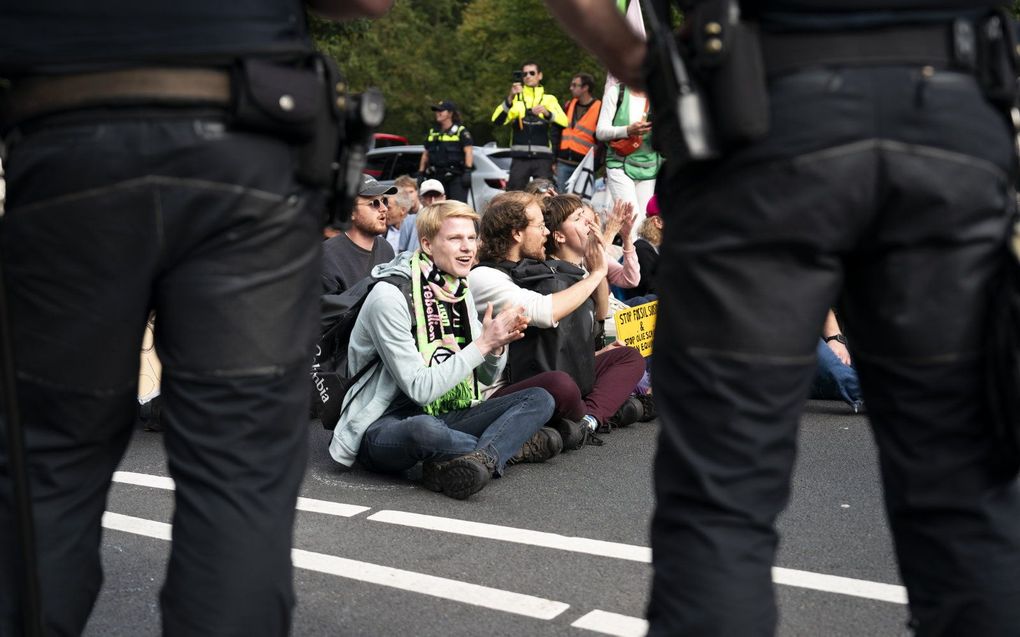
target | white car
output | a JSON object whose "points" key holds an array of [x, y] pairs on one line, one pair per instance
{"points": [[488, 179]]}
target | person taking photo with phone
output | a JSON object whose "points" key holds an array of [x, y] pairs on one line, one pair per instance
{"points": [[531, 112]]}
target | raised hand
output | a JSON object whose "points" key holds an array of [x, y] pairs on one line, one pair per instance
{"points": [[506, 327]]}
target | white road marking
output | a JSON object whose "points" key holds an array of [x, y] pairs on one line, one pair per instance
{"points": [[444, 588], [303, 504], [607, 623], [865, 589], [138, 526], [841, 585], [520, 536], [463, 592]]}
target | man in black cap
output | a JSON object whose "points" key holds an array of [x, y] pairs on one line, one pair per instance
{"points": [[350, 256], [449, 156], [882, 185]]}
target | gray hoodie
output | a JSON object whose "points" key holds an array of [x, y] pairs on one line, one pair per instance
{"points": [[383, 329]]}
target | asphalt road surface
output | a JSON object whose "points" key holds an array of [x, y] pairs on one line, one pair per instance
{"points": [[559, 548]]}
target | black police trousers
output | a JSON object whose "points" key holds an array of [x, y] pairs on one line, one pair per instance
{"points": [[883, 192], [206, 226]]}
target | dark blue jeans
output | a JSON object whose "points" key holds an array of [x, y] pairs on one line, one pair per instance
{"points": [[105, 222], [833, 379], [499, 426], [882, 191]]}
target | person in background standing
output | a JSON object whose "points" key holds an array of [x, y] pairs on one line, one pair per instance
{"points": [[449, 155], [579, 136]]}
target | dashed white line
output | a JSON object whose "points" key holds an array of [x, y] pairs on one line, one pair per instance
{"points": [[303, 504], [865, 589], [842, 585], [442, 587], [463, 592], [516, 535], [607, 623]]}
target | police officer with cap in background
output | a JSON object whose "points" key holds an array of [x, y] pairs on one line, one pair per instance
{"points": [[147, 170], [878, 181], [449, 154]]}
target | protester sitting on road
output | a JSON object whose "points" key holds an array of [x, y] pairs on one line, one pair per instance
{"points": [[396, 217], [513, 236], [616, 368], [618, 224], [541, 187], [423, 402], [431, 191], [647, 249], [835, 378], [349, 256]]}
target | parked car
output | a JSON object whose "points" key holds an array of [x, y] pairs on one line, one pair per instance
{"points": [[492, 169], [382, 140]]}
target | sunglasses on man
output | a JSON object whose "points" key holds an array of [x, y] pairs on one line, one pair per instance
{"points": [[530, 72], [378, 202]]}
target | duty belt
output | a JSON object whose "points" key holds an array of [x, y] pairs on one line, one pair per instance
{"points": [[933, 45], [37, 96]]}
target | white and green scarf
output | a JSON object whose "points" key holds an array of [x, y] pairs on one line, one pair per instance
{"points": [[442, 327]]}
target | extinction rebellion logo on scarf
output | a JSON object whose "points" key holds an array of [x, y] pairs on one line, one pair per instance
{"points": [[442, 327]]}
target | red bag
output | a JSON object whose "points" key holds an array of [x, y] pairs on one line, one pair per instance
{"points": [[626, 146]]}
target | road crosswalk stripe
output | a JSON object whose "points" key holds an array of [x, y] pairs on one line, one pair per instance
{"points": [[464, 592], [607, 623], [891, 593]]}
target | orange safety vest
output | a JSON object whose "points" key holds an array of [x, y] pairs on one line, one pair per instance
{"points": [[581, 137]]}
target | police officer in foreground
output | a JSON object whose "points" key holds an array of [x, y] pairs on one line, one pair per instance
{"points": [[449, 154], [879, 181], [151, 164]]}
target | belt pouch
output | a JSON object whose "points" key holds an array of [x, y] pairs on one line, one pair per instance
{"points": [[277, 99], [737, 90]]}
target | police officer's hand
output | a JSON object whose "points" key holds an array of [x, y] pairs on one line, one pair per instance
{"points": [[465, 179], [539, 110], [515, 89]]}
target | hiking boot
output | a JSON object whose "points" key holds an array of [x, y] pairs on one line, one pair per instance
{"points": [[544, 444], [628, 413], [572, 433], [462, 476], [430, 475], [648, 405]]}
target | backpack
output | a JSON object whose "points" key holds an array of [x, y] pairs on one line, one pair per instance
{"points": [[330, 378], [569, 347]]}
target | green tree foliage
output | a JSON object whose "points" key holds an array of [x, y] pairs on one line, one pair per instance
{"points": [[423, 51]]}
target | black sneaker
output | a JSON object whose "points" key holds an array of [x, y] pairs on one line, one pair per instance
{"points": [[572, 433], [463, 476], [648, 404], [544, 444], [628, 413]]}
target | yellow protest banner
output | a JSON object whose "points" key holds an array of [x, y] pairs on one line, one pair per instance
{"points": [[636, 326]]}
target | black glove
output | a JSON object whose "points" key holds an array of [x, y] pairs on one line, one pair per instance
{"points": [[465, 180]]}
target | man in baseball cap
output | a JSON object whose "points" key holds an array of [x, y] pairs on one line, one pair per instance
{"points": [[350, 256], [430, 192]]}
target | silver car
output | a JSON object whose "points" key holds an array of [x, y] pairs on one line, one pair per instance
{"points": [[492, 169]]}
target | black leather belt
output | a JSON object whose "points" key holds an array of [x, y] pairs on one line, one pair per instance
{"points": [[931, 45], [38, 96]]}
